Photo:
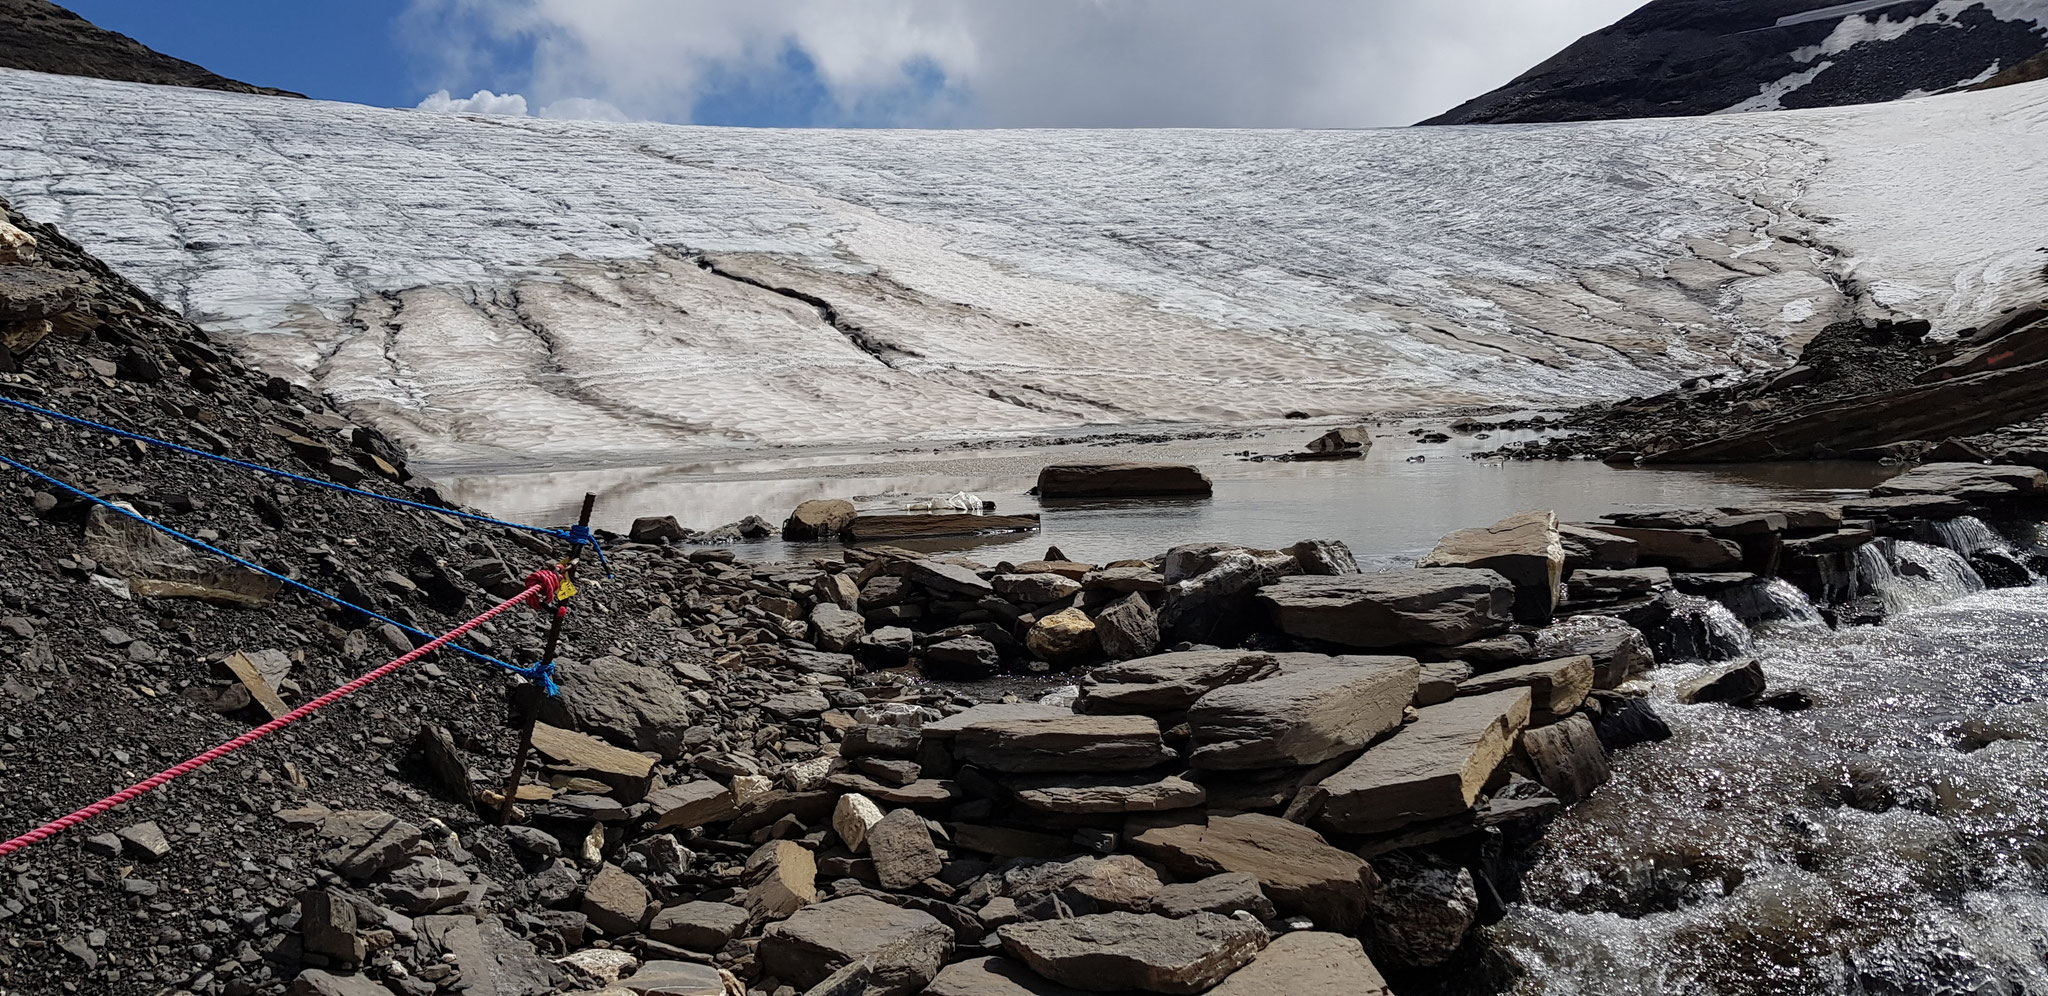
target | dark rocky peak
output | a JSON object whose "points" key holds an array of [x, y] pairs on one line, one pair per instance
{"points": [[1675, 58], [43, 37]]}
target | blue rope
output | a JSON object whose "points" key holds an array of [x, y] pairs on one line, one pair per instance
{"points": [[542, 674], [577, 535]]}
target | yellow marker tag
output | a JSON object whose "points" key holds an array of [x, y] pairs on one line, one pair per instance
{"points": [[565, 591]]}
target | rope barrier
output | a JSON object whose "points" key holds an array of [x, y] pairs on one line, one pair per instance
{"points": [[541, 674], [157, 780], [578, 535]]}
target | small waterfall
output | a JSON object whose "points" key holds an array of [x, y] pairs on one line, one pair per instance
{"points": [[1908, 575], [1968, 536], [1701, 629], [1789, 606]]}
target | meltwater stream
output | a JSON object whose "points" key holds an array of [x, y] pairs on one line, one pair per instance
{"points": [[1853, 847]]}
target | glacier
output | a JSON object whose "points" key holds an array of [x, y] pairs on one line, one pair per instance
{"points": [[501, 291]]}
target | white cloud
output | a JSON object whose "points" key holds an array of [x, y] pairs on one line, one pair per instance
{"points": [[1277, 63], [484, 102]]}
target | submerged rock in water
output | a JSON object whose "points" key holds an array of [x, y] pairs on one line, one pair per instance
{"points": [[1121, 480]]}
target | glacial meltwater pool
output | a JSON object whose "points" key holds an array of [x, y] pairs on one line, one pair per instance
{"points": [[1389, 507]]}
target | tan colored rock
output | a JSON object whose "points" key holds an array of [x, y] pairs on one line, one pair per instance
{"points": [[1557, 688], [781, 877], [1300, 871], [1171, 682], [1303, 717], [1435, 606], [1525, 548], [693, 804], [615, 901], [852, 818], [1681, 549], [902, 848], [1065, 637], [1112, 952], [1356, 438], [16, 246], [1433, 768], [903, 948], [993, 977], [1567, 758], [1062, 743], [1094, 794], [1308, 963], [823, 518]]}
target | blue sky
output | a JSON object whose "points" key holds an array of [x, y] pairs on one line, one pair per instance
{"points": [[865, 63]]}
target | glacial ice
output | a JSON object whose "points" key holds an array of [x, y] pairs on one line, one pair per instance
{"points": [[519, 291]]}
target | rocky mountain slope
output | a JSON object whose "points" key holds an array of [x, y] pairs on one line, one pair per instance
{"points": [[41, 36], [1690, 57], [514, 290]]}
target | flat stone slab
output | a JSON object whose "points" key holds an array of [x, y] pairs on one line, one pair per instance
{"points": [[1525, 548], [1681, 549], [1433, 768], [1308, 963], [947, 728], [1170, 682], [948, 579], [1111, 952], [994, 977], [1432, 606], [905, 947], [1300, 871], [1121, 480], [1063, 743], [1557, 688], [1303, 717], [1093, 794]]}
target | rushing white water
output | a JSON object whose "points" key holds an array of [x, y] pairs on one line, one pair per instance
{"points": [[1854, 847], [1968, 535], [1789, 606], [520, 291]]}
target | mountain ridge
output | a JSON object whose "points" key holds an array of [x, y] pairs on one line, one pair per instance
{"points": [[42, 37]]}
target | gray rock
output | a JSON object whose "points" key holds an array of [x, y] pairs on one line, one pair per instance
{"points": [[993, 977], [970, 653], [795, 705], [1062, 743], [615, 901], [1116, 882], [1035, 589], [1567, 758], [318, 982], [1681, 549], [1441, 607], [1433, 768], [692, 804], [1171, 682], [1301, 718], [1212, 603], [903, 947], [1592, 587], [698, 926], [425, 884], [327, 921], [874, 740], [492, 960], [1734, 683], [818, 519], [835, 628], [1354, 438], [1618, 649], [1439, 682], [1422, 910], [1300, 871], [657, 529], [1128, 579], [902, 848], [639, 708], [1525, 548], [781, 878], [673, 978], [1588, 548], [1117, 951], [1227, 893], [947, 579], [1325, 558], [1094, 794], [144, 840], [1128, 629], [1308, 963], [367, 842], [1557, 688], [2014, 721]]}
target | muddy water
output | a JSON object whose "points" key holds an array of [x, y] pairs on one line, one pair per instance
{"points": [[1388, 506], [1854, 847]]}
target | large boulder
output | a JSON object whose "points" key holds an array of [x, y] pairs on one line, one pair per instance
{"points": [[1302, 717], [1171, 682], [1525, 548], [1422, 910], [1681, 549], [1112, 952], [836, 629], [632, 706], [1972, 482], [1433, 768], [1212, 606], [904, 948], [994, 977], [1063, 743], [615, 902], [1567, 757], [1117, 882], [1302, 873], [824, 518], [1735, 683], [1433, 606], [1324, 557], [1121, 480], [902, 848], [1308, 963]]}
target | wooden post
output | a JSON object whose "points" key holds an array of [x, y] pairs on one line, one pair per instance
{"points": [[526, 698]]}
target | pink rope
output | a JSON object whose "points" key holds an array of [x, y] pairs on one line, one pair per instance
{"points": [[63, 823]]}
